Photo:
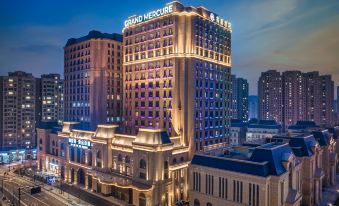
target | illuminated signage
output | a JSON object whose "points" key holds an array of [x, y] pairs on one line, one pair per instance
{"points": [[84, 144], [148, 16], [220, 21], [50, 180]]}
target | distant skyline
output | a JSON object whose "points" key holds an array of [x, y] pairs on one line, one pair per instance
{"points": [[282, 35]]}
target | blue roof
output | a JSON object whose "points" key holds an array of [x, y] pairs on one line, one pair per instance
{"points": [[302, 145], [300, 125], [47, 125], [241, 166], [334, 131], [265, 160], [277, 126], [322, 136], [273, 153], [95, 35], [55, 130], [238, 123]]}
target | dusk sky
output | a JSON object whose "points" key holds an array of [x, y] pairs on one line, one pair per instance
{"points": [[283, 34]]}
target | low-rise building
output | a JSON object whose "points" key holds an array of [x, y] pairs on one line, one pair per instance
{"points": [[266, 175], [149, 168], [307, 150], [237, 132], [259, 130]]}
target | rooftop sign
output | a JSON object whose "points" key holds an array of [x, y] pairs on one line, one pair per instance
{"points": [[148, 16], [84, 144]]}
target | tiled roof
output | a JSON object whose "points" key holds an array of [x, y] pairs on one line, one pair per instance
{"points": [[266, 160], [234, 165], [95, 35]]}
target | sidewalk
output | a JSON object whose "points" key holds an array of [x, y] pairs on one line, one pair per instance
{"points": [[330, 194]]}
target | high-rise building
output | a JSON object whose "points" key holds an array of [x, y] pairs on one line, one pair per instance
{"points": [[319, 98], [293, 96], [51, 90], [17, 111], [239, 98], [253, 107], [177, 65], [270, 96], [93, 79]]}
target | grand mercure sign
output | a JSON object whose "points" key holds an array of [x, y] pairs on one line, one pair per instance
{"points": [[148, 16]]}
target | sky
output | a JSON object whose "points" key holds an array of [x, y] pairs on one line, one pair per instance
{"points": [[266, 34]]}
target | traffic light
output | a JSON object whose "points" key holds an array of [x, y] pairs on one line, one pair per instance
{"points": [[35, 190]]}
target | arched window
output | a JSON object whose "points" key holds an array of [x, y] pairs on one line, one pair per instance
{"points": [[209, 204], [196, 202], [120, 158], [181, 159], [127, 159], [53, 142], [174, 160], [142, 199], [99, 154], [166, 165], [142, 164]]}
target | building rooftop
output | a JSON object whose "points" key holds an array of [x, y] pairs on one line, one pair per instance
{"points": [[264, 160], [94, 35], [302, 145]]}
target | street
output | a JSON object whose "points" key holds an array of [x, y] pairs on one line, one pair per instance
{"points": [[49, 196]]}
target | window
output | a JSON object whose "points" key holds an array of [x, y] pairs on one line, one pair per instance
{"points": [[120, 158], [127, 159], [142, 164], [196, 181], [209, 184], [142, 199], [196, 202]]}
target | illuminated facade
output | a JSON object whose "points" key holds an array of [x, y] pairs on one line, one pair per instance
{"points": [[177, 74], [93, 79], [146, 169], [17, 111]]}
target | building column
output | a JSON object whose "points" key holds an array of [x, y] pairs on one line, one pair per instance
{"points": [[86, 181], [105, 189]]}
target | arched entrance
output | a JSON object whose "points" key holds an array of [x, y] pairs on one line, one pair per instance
{"points": [[62, 172], [89, 182], [72, 175], [81, 177]]}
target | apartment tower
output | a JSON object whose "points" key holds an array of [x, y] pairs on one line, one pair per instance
{"points": [[17, 111], [293, 96], [93, 79], [270, 96], [51, 89], [177, 65], [239, 98]]}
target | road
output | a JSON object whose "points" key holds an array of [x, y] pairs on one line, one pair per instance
{"points": [[72, 195], [11, 183]]}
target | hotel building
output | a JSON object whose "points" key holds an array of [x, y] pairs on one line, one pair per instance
{"points": [[177, 74], [93, 79], [146, 169]]}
